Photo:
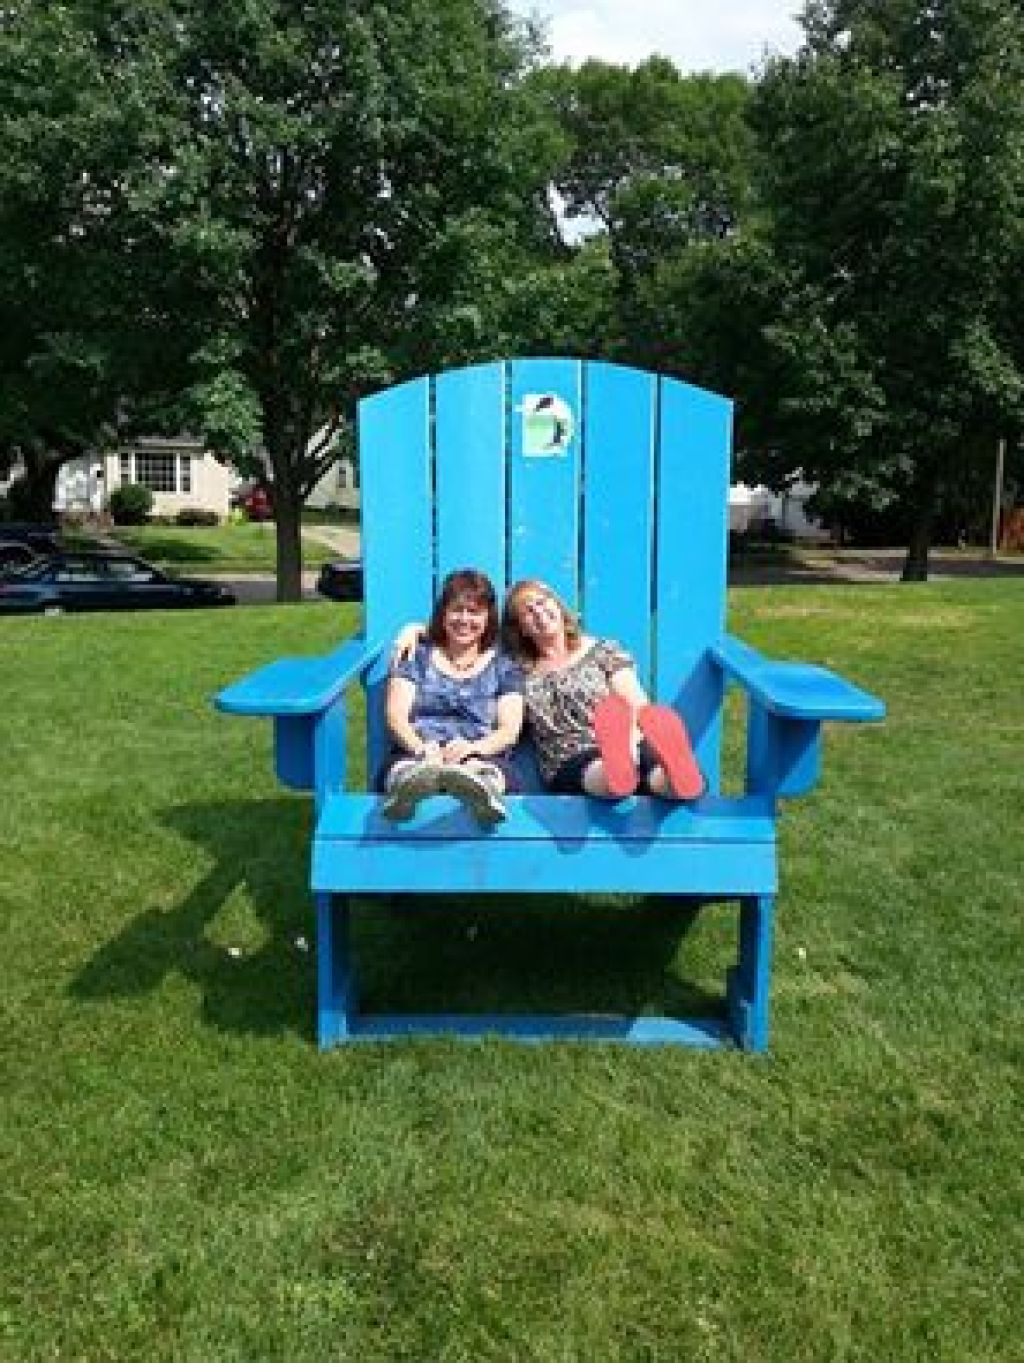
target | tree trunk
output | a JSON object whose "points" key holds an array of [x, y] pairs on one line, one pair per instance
{"points": [[915, 565], [288, 521], [35, 491]]}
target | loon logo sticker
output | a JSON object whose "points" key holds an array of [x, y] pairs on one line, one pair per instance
{"points": [[548, 425]]}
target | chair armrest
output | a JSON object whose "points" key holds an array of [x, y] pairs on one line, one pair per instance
{"points": [[795, 690], [298, 686], [788, 702]]}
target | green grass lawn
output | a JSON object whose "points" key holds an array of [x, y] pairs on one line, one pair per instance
{"points": [[186, 1178], [246, 548]]}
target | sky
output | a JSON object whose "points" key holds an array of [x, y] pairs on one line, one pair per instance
{"points": [[698, 35]]}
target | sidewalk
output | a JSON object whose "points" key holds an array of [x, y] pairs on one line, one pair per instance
{"points": [[798, 565], [343, 539]]}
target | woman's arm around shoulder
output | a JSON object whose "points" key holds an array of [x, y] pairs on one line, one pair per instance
{"points": [[408, 638]]}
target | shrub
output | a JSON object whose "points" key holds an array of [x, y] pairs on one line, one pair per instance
{"points": [[131, 504], [196, 515]]}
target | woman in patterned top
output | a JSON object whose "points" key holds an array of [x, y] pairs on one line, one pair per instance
{"points": [[587, 714], [454, 707], [589, 719]]}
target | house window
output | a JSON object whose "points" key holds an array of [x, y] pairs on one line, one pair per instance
{"points": [[156, 471]]}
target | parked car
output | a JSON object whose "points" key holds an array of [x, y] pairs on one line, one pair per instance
{"points": [[81, 581], [15, 555], [342, 580], [39, 537], [253, 500]]}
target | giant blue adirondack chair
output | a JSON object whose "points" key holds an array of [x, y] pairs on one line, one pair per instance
{"points": [[610, 484]]}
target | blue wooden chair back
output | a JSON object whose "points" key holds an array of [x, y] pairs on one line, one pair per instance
{"points": [[608, 483]]}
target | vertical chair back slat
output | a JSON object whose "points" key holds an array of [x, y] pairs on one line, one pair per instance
{"points": [[469, 433], [397, 521], [544, 473], [618, 501], [692, 537]]}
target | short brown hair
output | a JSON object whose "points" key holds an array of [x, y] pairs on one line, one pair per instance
{"points": [[515, 641], [477, 586]]}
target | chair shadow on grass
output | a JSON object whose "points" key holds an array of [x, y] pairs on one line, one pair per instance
{"points": [[470, 954], [257, 851]]}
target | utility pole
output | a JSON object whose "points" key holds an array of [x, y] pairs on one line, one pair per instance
{"points": [[997, 497]]}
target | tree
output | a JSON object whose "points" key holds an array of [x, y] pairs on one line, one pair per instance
{"points": [[83, 336], [655, 162], [310, 181], [894, 181]]}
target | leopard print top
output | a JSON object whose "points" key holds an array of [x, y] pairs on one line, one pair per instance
{"points": [[559, 704]]}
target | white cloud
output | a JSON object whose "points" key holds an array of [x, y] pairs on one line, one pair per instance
{"points": [[698, 35]]}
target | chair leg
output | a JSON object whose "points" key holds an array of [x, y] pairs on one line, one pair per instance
{"points": [[336, 992], [750, 981]]}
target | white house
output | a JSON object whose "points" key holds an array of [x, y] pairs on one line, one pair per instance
{"points": [[338, 487], [752, 506], [179, 472]]}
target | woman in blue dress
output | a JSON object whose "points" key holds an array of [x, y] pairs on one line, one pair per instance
{"points": [[454, 708]]}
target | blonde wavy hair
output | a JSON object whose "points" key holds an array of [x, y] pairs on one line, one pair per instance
{"points": [[514, 641]]}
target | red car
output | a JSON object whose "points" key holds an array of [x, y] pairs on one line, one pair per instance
{"points": [[256, 505]]}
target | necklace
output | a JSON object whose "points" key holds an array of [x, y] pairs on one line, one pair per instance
{"points": [[463, 664]]}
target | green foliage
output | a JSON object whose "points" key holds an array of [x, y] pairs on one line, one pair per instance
{"points": [[277, 191], [131, 504], [85, 327], [196, 515], [656, 157], [322, 157], [891, 165]]}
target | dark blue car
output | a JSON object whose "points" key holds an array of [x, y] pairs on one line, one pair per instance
{"points": [[81, 581], [342, 580]]}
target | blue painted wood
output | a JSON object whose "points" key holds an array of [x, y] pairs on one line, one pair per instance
{"points": [[491, 466], [635, 1031], [541, 818], [294, 763], [470, 472], [544, 487], [434, 867], [796, 690], [620, 413], [396, 528], [694, 438], [783, 755], [298, 686], [336, 997], [749, 982], [330, 753], [396, 505], [539, 850]]}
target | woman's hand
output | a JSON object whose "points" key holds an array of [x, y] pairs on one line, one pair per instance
{"points": [[404, 647], [456, 750]]}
